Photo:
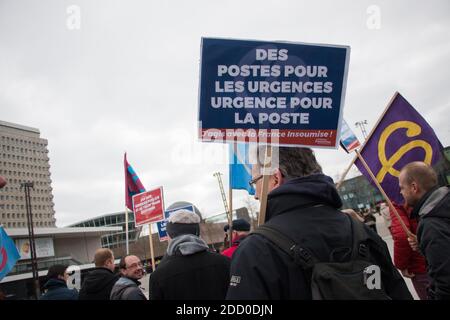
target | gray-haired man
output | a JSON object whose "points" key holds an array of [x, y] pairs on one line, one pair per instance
{"points": [[303, 205]]}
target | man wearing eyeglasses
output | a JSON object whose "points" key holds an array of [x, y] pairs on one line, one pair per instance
{"points": [[302, 204], [127, 287]]}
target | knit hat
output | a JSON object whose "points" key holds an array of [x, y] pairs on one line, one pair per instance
{"points": [[238, 225], [183, 222]]}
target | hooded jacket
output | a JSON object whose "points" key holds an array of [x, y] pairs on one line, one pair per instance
{"points": [[57, 290], [433, 235], [127, 289], [190, 272], [98, 284], [306, 210]]}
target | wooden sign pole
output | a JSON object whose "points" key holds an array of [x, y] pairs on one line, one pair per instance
{"points": [[344, 175], [152, 253], [265, 185], [230, 214]]}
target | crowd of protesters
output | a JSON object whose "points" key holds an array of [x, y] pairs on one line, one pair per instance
{"points": [[305, 236]]}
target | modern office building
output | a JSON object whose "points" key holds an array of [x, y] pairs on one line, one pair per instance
{"points": [[357, 193], [24, 158], [117, 219], [443, 167]]}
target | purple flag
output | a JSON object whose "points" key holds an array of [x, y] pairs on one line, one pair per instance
{"points": [[401, 136]]}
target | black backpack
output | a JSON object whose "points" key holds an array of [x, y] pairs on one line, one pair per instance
{"points": [[331, 280]]}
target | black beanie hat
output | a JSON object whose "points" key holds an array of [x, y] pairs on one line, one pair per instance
{"points": [[238, 225]]}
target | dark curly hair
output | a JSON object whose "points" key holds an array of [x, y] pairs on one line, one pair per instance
{"points": [[56, 270]]}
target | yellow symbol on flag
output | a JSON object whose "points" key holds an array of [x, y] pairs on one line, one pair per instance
{"points": [[388, 164]]}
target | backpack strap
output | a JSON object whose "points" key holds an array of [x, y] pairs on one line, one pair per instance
{"points": [[300, 256], [359, 239]]}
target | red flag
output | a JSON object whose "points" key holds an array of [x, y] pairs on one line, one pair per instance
{"points": [[132, 184]]}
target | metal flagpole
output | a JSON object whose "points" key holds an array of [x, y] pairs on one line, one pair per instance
{"points": [[34, 267], [225, 204], [126, 230]]}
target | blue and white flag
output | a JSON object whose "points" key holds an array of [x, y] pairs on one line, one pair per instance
{"points": [[8, 254], [240, 168]]}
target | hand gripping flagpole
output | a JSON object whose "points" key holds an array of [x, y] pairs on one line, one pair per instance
{"points": [[391, 206]]}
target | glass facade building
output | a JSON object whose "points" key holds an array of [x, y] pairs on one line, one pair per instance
{"points": [[117, 219]]}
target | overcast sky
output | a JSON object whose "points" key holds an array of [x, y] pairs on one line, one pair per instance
{"points": [[127, 80]]}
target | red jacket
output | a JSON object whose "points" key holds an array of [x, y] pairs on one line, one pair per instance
{"points": [[229, 252], [404, 256]]}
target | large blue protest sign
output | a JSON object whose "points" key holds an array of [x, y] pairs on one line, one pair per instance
{"points": [[162, 225], [284, 93]]}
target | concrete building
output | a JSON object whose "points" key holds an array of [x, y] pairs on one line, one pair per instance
{"points": [[23, 158], [67, 246]]}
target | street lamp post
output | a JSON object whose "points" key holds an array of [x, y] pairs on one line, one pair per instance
{"points": [[34, 268]]}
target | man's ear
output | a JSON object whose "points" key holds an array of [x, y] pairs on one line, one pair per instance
{"points": [[415, 187], [277, 178]]}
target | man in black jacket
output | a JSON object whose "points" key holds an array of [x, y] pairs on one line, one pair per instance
{"points": [[189, 271], [431, 204], [302, 203], [98, 283]]}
